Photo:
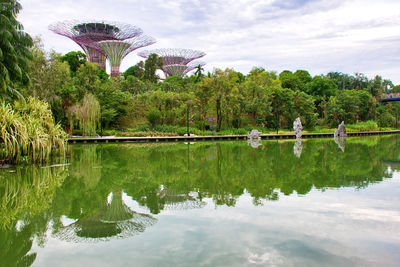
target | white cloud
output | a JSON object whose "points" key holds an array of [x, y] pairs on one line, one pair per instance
{"points": [[317, 35]]}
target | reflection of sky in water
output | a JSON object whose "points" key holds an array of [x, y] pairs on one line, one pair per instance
{"points": [[338, 227]]}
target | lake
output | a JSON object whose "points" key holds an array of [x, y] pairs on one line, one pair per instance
{"points": [[318, 202]]}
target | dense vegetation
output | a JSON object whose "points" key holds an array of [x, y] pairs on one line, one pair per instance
{"points": [[139, 103], [27, 129], [85, 100]]}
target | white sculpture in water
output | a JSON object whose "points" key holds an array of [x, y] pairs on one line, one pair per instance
{"points": [[297, 127], [340, 131], [254, 134]]}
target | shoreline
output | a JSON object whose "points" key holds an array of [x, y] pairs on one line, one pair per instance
{"points": [[114, 139]]}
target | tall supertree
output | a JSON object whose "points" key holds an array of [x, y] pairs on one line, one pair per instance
{"points": [[175, 60], [117, 50], [87, 34], [180, 69]]}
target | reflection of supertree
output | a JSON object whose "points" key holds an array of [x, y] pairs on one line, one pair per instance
{"points": [[174, 200], [176, 60], [117, 50], [114, 220], [88, 33]]}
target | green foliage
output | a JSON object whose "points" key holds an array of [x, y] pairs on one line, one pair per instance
{"points": [[113, 102], [152, 63], [28, 132], [14, 50], [362, 126], [321, 86], [153, 117], [384, 117], [136, 70], [74, 59], [87, 115]]}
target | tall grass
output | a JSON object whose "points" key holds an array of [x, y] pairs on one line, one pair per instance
{"points": [[28, 132]]}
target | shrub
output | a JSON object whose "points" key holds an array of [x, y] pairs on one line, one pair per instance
{"points": [[153, 117]]}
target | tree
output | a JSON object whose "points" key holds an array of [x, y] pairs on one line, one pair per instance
{"points": [[304, 78], [136, 70], [282, 105], [199, 72], [87, 114], [220, 85], [74, 59], [87, 79], [289, 80], [152, 63], [255, 91], [14, 49]]}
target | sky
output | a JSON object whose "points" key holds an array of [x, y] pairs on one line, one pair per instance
{"points": [[320, 36]]}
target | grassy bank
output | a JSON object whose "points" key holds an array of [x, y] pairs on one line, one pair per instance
{"points": [[167, 130]]}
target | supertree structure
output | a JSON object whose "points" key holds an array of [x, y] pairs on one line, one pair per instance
{"points": [[175, 60], [87, 34], [117, 50], [180, 69]]}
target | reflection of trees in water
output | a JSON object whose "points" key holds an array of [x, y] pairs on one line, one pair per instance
{"points": [[25, 198], [114, 220], [171, 177], [223, 171], [27, 190], [15, 246]]}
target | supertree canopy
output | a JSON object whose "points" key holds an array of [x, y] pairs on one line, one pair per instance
{"points": [[181, 70], [87, 34], [117, 50], [175, 60], [174, 55]]}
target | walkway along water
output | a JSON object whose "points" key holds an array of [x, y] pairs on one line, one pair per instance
{"points": [[222, 137]]}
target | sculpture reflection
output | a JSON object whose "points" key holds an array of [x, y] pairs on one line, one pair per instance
{"points": [[297, 148], [254, 143], [340, 141]]}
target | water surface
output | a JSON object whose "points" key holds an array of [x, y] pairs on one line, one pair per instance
{"points": [[276, 203]]}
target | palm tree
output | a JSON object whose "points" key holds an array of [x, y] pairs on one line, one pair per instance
{"points": [[14, 49], [198, 72]]}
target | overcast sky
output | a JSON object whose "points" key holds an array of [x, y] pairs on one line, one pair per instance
{"points": [[316, 35]]}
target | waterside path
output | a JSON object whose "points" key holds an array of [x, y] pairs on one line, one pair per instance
{"points": [[107, 139]]}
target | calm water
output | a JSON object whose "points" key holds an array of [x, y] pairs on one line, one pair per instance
{"points": [[319, 203]]}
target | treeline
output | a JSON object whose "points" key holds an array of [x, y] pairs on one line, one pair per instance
{"points": [[80, 96]]}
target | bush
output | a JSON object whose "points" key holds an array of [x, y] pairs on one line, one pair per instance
{"points": [[153, 117], [363, 126], [145, 134]]}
